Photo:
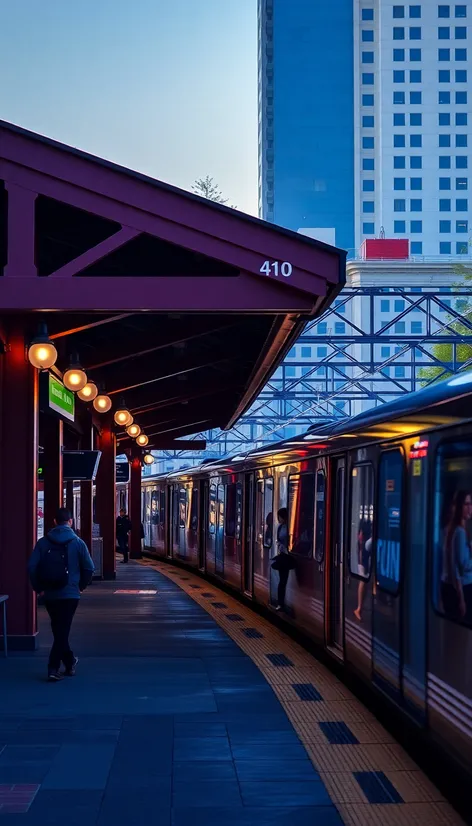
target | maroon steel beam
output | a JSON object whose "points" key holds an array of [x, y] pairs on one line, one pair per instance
{"points": [[74, 330], [143, 376]]}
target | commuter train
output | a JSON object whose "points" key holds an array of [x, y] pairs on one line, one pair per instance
{"points": [[378, 514]]}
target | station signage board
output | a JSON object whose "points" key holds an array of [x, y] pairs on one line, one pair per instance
{"points": [[60, 399], [122, 472]]}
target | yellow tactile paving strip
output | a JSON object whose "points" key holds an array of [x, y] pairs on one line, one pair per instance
{"points": [[376, 751]]}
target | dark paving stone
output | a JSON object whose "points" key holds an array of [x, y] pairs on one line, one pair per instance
{"points": [[253, 816], [207, 594], [27, 754], [307, 691], [291, 793], [338, 733], [193, 793], [53, 808], [136, 807], [200, 730], [201, 748], [275, 769], [378, 788], [19, 773], [279, 660], [277, 738], [252, 633], [234, 618], [267, 751], [80, 766], [219, 605], [202, 770]]}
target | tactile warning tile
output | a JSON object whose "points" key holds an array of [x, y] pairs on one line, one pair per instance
{"points": [[286, 664]]}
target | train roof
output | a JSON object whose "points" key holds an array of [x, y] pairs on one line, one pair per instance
{"points": [[438, 405]]}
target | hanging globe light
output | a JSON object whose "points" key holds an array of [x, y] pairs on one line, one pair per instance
{"points": [[75, 378], [102, 403], [122, 416], [42, 353], [148, 459], [89, 392], [133, 430], [142, 440]]}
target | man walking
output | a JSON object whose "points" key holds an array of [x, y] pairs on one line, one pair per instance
{"points": [[123, 527], [61, 568]]}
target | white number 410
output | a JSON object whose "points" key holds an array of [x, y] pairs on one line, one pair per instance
{"points": [[274, 267]]}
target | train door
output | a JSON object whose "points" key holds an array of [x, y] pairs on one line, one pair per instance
{"points": [[203, 524], [248, 532], [335, 602], [386, 619], [220, 530]]}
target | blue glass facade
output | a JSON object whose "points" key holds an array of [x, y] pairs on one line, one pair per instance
{"points": [[306, 115]]}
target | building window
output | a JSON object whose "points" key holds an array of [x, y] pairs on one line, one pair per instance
{"points": [[444, 98], [306, 352], [367, 100], [461, 161], [444, 55], [461, 75], [399, 372], [398, 162], [415, 75], [415, 33], [399, 11], [399, 76], [367, 143], [384, 305], [443, 11], [461, 140], [339, 328], [461, 11], [399, 327], [460, 33], [399, 205], [368, 164], [462, 205], [368, 79], [368, 206], [416, 162], [416, 227], [399, 97], [461, 118], [444, 140], [340, 307], [415, 141], [415, 119], [367, 36], [416, 183], [367, 57], [398, 33], [444, 76], [322, 328], [444, 119], [290, 372], [368, 121], [462, 226], [321, 352], [416, 205], [368, 185], [461, 248], [444, 226], [367, 14], [444, 205], [444, 33], [398, 227], [399, 140], [415, 11], [398, 305], [461, 55], [444, 162], [399, 119], [415, 98], [368, 228], [399, 183], [416, 327], [444, 247], [461, 98], [398, 55], [415, 55], [444, 183]]}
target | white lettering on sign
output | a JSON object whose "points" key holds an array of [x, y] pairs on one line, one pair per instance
{"points": [[275, 267], [388, 559]]}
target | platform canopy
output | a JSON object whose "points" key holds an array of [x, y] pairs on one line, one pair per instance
{"points": [[182, 306]]}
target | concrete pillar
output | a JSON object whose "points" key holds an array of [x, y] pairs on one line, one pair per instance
{"points": [[18, 480], [135, 507], [105, 496], [51, 435]]}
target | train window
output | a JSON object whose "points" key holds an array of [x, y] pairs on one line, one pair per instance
{"points": [[155, 506], [320, 527], [268, 512], [162, 507], [212, 510], [230, 522], [239, 510], [194, 510], [362, 517], [389, 512], [182, 507], [452, 548], [301, 513]]}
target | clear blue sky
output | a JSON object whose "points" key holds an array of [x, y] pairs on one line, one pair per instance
{"points": [[167, 87]]}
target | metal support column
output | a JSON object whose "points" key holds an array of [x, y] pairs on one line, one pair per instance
{"points": [[51, 434], [135, 507], [106, 496]]}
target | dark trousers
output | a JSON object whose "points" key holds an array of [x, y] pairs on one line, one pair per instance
{"points": [[282, 587], [61, 612], [123, 546]]}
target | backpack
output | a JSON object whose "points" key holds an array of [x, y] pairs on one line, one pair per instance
{"points": [[53, 569]]}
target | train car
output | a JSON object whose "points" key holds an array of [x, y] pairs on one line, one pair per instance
{"points": [[378, 533]]}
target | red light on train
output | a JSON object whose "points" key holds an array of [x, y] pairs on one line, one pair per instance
{"points": [[419, 450]]}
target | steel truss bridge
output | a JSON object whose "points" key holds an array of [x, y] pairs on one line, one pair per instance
{"points": [[365, 361]]}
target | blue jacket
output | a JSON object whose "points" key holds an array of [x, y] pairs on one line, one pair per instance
{"points": [[80, 562]]}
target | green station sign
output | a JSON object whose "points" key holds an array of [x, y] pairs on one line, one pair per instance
{"points": [[60, 399]]}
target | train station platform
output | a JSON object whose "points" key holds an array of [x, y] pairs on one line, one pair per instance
{"points": [[188, 708]]}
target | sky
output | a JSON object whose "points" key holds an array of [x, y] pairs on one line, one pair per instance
{"points": [[165, 87]]}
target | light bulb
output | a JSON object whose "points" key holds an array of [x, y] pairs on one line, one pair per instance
{"points": [[148, 459], [142, 440], [42, 353], [133, 430], [102, 403], [89, 392]]}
